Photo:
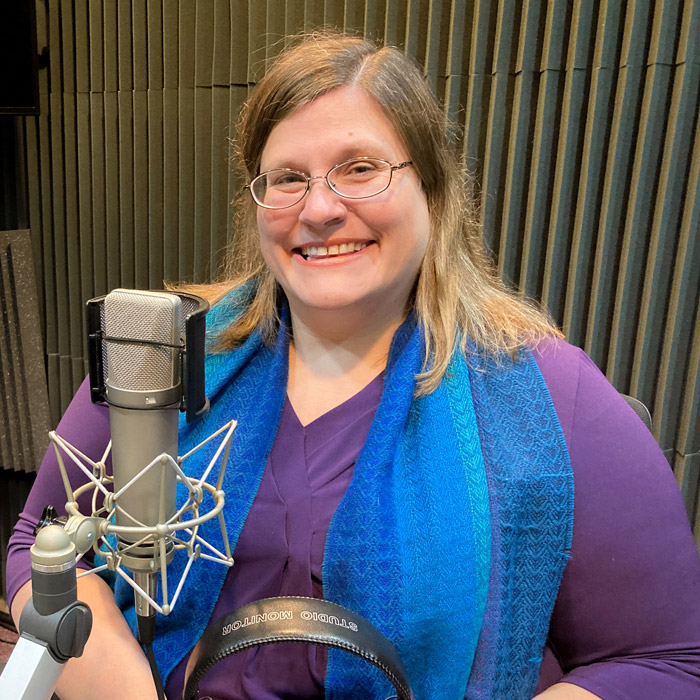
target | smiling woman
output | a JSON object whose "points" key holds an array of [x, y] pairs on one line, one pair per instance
{"points": [[411, 433], [402, 121], [388, 231]]}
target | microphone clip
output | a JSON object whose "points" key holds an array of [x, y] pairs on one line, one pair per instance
{"points": [[54, 625]]}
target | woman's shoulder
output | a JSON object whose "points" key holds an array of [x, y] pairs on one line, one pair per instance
{"points": [[560, 361], [580, 392], [629, 588]]}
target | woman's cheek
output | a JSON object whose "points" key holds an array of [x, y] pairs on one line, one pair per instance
{"points": [[274, 227]]}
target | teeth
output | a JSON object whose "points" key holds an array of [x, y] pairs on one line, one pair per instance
{"points": [[323, 251]]}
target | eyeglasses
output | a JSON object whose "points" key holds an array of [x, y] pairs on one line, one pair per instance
{"points": [[354, 179]]}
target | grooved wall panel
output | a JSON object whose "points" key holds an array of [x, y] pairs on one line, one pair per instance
{"points": [[24, 414], [578, 122]]}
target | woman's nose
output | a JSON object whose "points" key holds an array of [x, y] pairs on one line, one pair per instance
{"points": [[322, 206]]}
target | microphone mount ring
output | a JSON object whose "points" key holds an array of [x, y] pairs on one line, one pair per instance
{"points": [[148, 548]]}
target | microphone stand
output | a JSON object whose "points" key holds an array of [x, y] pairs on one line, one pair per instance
{"points": [[54, 625]]}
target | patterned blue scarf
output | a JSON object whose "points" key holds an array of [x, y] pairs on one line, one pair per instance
{"points": [[451, 538]]}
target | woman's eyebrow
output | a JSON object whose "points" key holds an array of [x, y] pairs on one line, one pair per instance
{"points": [[366, 148], [370, 149]]}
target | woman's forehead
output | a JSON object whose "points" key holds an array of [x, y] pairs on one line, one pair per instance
{"points": [[340, 124]]}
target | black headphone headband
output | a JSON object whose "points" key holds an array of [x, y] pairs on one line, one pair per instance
{"points": [[295, 619]]}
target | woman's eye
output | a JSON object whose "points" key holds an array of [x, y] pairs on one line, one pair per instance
{"points": [[286, 180], [360, 168]]}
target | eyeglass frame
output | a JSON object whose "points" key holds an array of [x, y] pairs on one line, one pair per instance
{"points": [[309, 178]]}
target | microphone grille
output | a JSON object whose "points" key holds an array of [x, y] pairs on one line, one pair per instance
{"points": [[155, 317]]}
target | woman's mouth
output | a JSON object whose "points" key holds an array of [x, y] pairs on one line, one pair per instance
{"points": [[331, 251]]}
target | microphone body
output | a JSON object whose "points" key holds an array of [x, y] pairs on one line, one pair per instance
{"points": [[141, 436], [138, 437], [143, 387]]}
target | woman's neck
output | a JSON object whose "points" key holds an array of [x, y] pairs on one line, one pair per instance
{"points": [[329, 363]]}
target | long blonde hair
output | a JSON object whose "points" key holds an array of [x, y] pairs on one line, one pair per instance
{"points": [[457, 294]]}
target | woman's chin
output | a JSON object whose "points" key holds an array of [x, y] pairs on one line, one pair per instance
{"points": [[343, 303], [330, 303]]}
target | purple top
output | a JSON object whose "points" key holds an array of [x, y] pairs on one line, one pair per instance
{"points": [[626, 624]]}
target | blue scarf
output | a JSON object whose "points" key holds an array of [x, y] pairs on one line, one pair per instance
{"points": [[451, 538]]}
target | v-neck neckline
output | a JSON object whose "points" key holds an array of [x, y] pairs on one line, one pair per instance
{"points": [[367, 396]]}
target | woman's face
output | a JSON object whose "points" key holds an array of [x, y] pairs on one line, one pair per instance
{"points": [[393, 226]]}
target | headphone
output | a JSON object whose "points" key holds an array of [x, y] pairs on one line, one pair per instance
{"points": [[295, 619]]}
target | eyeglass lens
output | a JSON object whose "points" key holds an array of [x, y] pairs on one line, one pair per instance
{"points": [[362, 177]]}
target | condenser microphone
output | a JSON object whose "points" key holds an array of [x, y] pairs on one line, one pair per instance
{"points": [[143, 335], [146, 355]]}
